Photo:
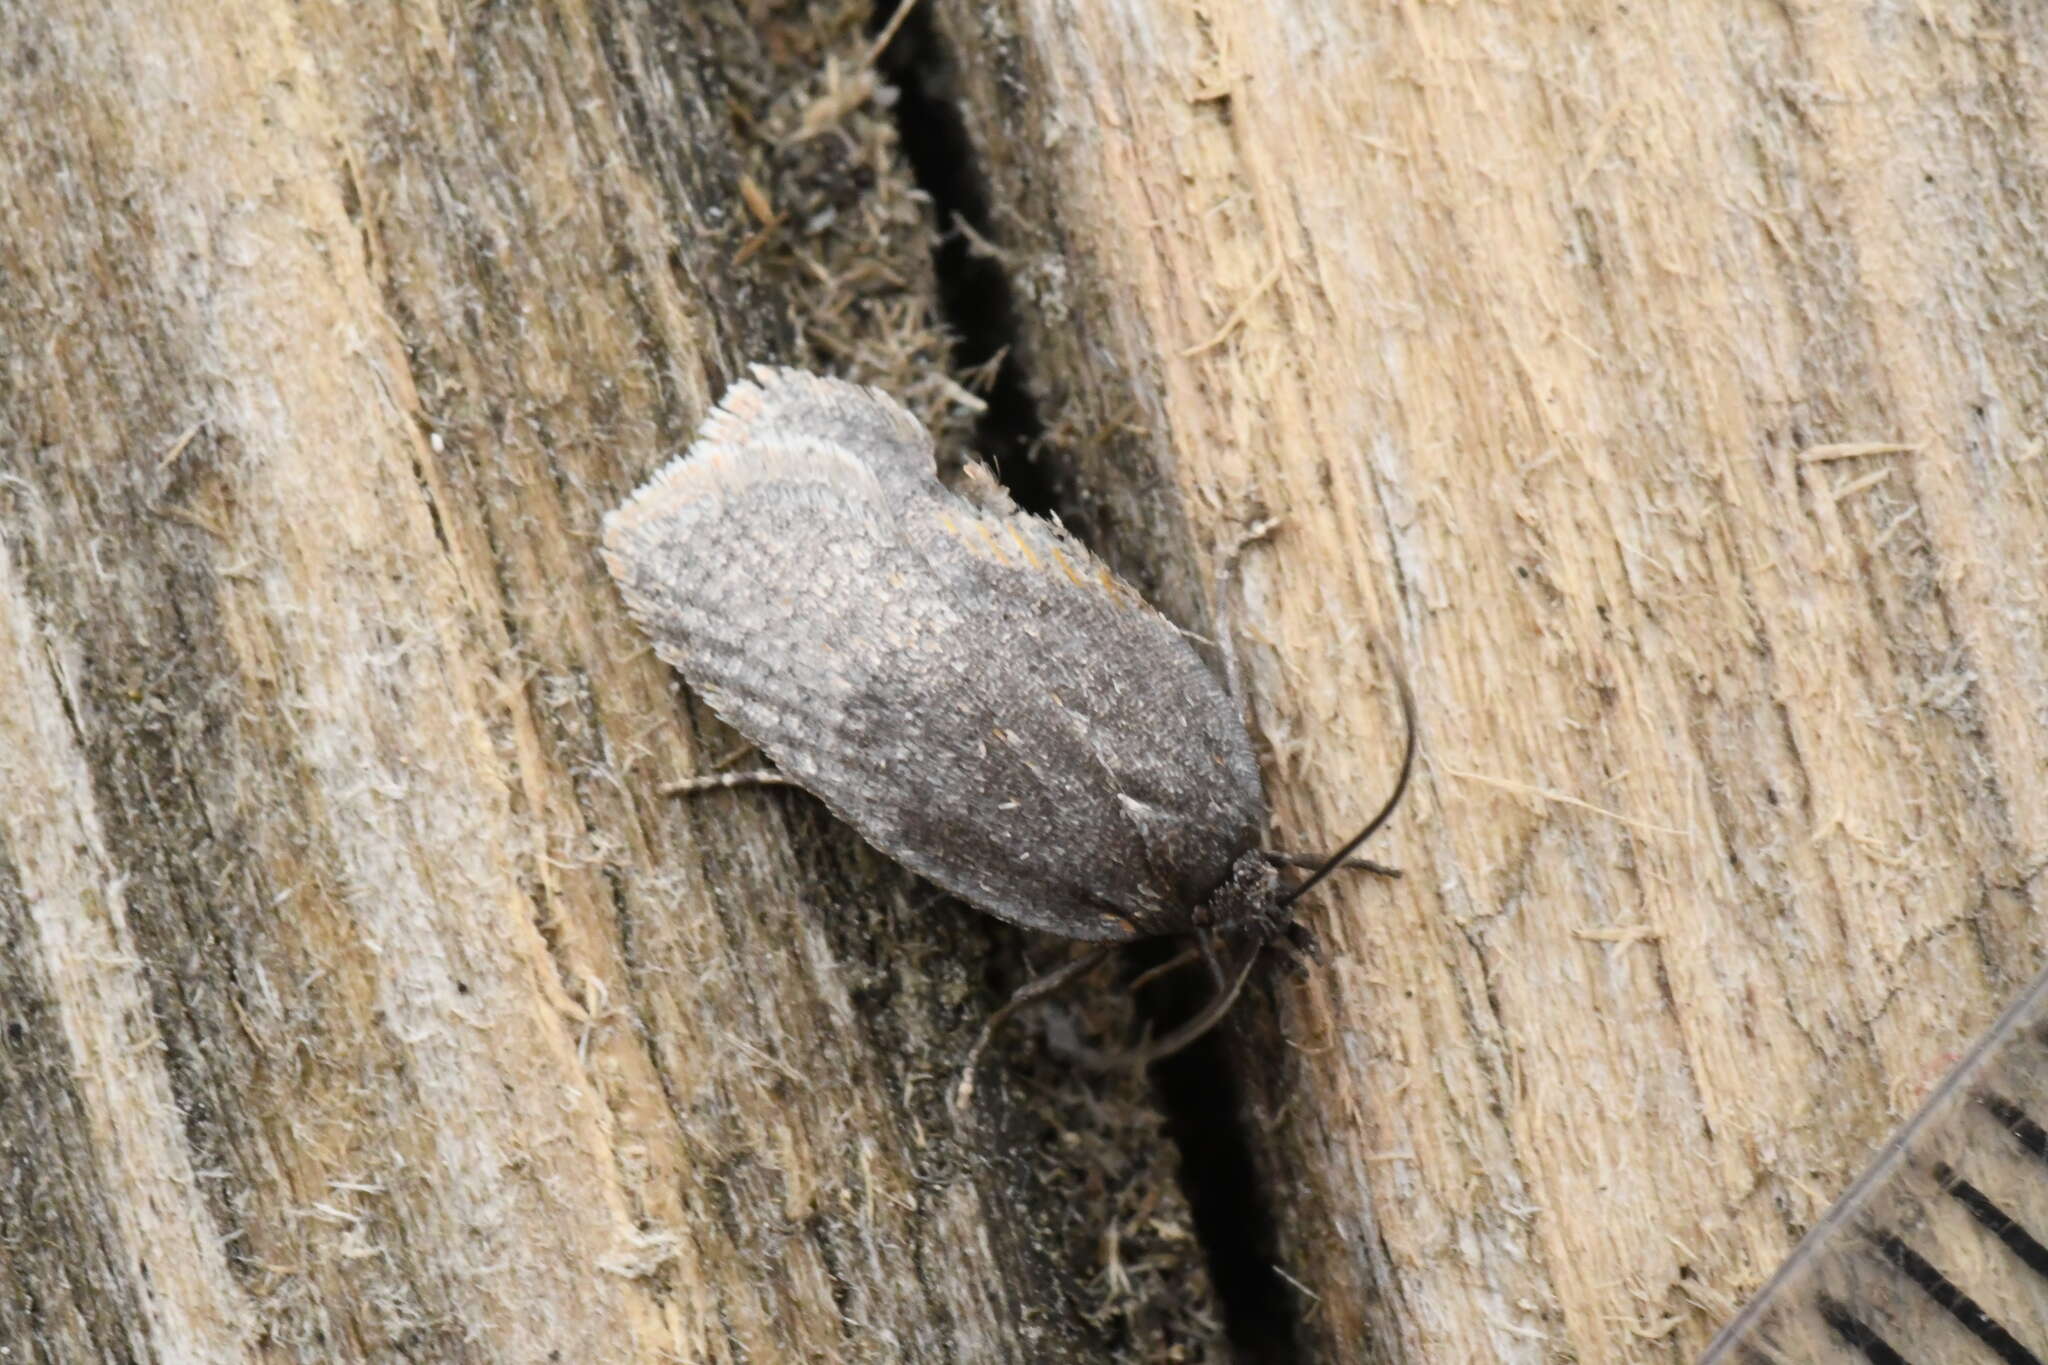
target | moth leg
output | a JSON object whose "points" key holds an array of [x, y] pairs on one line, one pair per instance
{"points": [[1300, 943], [1309, 862], [1030, 993], [1226, 569], [757, 777], [1228, 984], [1173, 964]]}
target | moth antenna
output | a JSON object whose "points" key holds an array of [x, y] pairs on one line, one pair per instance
{"points": [[1372, 826]]}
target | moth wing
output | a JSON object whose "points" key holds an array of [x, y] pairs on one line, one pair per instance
{"points": [[1155, 726], [758, 559], [787, 568], [780, 408], [711, 556]]}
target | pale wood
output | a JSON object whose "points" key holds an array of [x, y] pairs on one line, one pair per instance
{"points": [[1661, 387], [361, 995]]}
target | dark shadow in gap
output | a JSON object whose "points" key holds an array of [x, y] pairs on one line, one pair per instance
{"points": [[975, 298], [1200, 1096]]}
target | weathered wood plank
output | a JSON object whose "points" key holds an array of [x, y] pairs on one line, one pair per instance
{"points": [[363, 999], [1661, 387]]}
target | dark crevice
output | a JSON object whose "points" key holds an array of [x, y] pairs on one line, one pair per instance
{"points": [[975, 298], [1198, 1090], [1203, 1102]]}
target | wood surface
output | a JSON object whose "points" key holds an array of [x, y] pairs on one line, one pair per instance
{"points": [[1661, 389], [1658, 387], [361, 995]]}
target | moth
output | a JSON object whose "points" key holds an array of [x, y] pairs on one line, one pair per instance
{"points": [[963, 683]]}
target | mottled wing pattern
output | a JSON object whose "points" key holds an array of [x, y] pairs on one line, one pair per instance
{"points": [[1153, 720], [808, 575], [750, 562]]}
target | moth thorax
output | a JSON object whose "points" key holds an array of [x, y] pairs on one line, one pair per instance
{"points": [[1250, 895]]}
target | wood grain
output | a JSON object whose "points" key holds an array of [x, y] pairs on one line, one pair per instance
{"points": [[1661, 388], [362, 998]]}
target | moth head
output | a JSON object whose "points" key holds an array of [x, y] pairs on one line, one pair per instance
{"points": [[1252, 905], [1247, 899], [1247, 910]]}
